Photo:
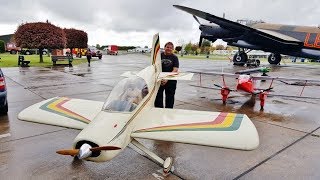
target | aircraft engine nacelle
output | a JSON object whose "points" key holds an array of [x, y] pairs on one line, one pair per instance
{"points": [[104, 131], [213, 33]]}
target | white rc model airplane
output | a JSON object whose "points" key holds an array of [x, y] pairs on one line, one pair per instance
{"points": [[129, 113]]}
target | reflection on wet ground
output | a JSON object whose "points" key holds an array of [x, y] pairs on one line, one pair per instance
{"points": [[283, 126]]}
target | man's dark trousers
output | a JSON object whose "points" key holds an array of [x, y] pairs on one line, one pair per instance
{"points": [[170, 89]]}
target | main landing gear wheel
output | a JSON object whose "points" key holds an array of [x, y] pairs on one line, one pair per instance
{"points": [[240, 59], [274, 58], [167, 165]]}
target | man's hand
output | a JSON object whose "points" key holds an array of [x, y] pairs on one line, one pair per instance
{"points": [[163, 82]]}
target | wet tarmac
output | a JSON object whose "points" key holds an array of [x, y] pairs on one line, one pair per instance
{"points": [[288, 127]]}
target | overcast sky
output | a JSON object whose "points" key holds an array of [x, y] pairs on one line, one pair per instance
{"points": [[133, 22]]}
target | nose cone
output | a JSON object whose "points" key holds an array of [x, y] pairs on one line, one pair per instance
{"points": [[84, 151]]}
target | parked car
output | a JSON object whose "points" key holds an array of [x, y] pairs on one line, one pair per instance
{"points": [[96, 54], [33, 51], [3, 95]]}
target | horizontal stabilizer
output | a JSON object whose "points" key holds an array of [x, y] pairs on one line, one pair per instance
{"points": [[175, 76]]}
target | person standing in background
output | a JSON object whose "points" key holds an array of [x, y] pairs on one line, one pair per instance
{"points": [[89, 56]]}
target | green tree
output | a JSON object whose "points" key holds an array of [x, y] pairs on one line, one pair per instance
{"points": [[212, 48], [207, 49], [76, 38], [40, 35], [125, 48], [2, 47], [198, 51], [229, 48], [103, 46], [187, 48], [194, 48], [206, 43], [220, 47]]}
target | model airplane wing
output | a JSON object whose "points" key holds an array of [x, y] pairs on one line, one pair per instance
{"points": [[227, 24], [275, 78], [216, 73], [285, 78], [62, 111], [228, 130], [175, 76]]}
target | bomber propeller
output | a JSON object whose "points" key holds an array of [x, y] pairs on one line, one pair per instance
{"points": [[201, 37], [195, 17]]}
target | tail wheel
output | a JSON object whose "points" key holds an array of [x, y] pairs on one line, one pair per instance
{"points": [[257, 62], [167, 165], [274, 58], [240, 59]]}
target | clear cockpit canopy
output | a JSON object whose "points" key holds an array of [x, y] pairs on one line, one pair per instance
{"points": [[126, 95]]}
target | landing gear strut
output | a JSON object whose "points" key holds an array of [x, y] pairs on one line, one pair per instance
{"points": [[167, 164], [262, 97]]}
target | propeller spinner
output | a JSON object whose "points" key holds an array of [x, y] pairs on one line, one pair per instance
{"points": [[86, 150]]}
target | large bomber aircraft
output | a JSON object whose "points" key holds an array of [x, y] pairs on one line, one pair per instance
{"points": [[298, 41]]}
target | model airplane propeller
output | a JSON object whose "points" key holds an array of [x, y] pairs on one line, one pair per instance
{"points": [[129, 113], [86, 150]]}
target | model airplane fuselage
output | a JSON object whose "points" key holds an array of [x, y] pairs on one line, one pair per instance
{"points": [[129, 113], [115, 128], [299, 41]]}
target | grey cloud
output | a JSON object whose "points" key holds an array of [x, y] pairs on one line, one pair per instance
{"points": [[145, 16]]}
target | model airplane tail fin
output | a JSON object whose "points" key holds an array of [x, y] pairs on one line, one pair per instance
{"points": [[155, 53]]}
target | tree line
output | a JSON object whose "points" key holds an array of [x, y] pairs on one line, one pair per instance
{"points": [[205, 48], [44, 35]]}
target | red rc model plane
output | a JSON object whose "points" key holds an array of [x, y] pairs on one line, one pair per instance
{"points": [[247, 83]]}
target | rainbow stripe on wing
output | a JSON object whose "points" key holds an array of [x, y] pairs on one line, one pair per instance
{"points": [[56, 106], [223, 122]]}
